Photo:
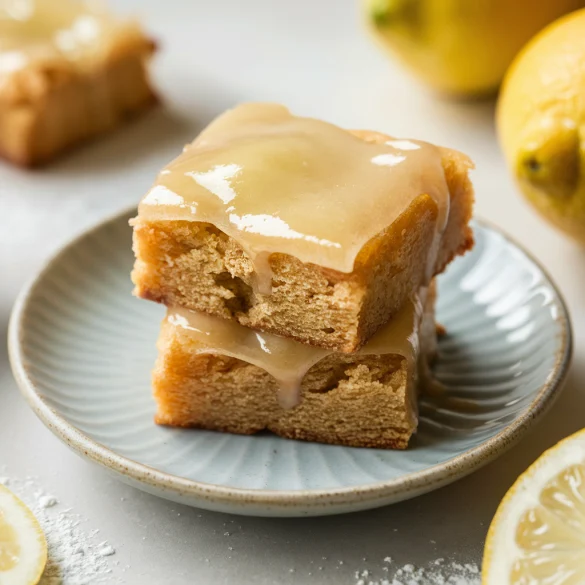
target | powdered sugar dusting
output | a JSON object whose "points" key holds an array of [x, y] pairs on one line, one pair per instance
{"points": [[437, 572], [75, 558]]}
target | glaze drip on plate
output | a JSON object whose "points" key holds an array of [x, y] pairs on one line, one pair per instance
{"points": [[278, 183], [287, 360]]}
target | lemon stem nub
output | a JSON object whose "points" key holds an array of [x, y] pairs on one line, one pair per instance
{"points": [[532, 164], [383, 12], [552, 165]]}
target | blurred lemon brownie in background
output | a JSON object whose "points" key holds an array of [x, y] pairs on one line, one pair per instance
{"points": [[299, 228], [68, 71], [213, 373]]}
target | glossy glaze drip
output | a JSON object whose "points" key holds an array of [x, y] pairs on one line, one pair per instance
{"points": [[69, 31], [285, 359], [279, 183]]}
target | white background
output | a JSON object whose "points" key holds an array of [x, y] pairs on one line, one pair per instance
{"points": [[314, 56]]}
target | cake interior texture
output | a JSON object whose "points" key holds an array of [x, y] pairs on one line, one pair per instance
{"points": [[358, 400]]}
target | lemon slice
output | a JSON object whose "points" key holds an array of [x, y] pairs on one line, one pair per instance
{"points": [[23, 548], [537, 536]]}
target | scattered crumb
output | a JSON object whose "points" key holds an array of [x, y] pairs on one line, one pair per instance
{"points": [[47, 501], [106, 550]]}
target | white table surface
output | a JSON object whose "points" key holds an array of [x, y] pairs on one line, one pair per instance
{"points": [[312, 55]]}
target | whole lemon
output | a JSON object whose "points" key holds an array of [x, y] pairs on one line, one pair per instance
{"points": [[461, 47], [541, 122]]}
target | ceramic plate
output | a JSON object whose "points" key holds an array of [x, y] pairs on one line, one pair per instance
{"points": [[82, 348]]}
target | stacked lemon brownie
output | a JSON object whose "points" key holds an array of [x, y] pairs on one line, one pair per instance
{"points": [[296, 260]]}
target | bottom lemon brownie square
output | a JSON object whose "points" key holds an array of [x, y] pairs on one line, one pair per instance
{"points": [[215, 374]]}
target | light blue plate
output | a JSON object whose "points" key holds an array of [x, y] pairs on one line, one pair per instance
{"points": [[82, 349]]}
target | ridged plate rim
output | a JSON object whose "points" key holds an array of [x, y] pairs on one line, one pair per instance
{"points": [[224, 497]]}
